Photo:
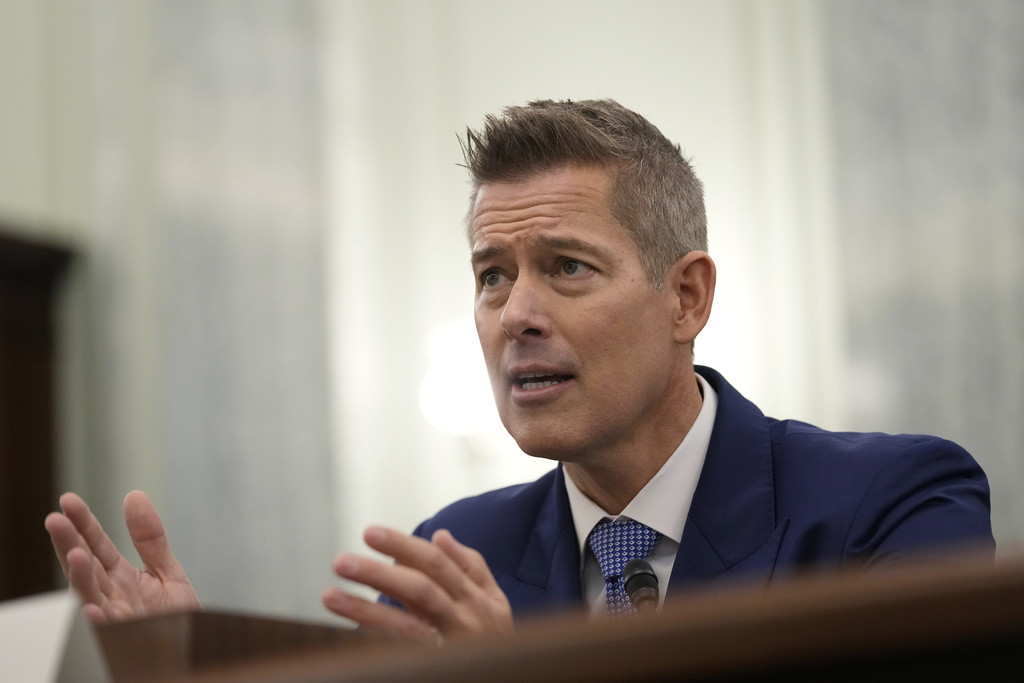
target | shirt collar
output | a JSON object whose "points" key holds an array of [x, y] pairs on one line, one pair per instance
{"points": [[664, 502]]}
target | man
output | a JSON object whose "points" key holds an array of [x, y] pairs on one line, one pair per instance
{"points": [[588, 242]]}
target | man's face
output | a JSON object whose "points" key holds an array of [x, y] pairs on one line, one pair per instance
{"points": [[578, 342]]}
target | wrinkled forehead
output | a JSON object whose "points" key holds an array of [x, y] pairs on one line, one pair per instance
{"points": [[576, 194], [541, 180]]}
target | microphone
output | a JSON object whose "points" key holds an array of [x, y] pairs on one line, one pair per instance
{"points": [[641, 585]]}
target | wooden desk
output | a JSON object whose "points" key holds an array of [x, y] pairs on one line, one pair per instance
{"points": [[939, 623]]}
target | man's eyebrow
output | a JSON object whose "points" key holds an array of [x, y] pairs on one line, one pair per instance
{"points": [[552, 242], [566, 243], [484, 254]]}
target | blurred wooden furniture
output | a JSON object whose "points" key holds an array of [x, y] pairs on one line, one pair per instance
{"points": [[957, 622], [181, 645], [29, 274]]}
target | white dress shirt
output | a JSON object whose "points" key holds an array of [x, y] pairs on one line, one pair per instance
{"points": [[662, 504]]}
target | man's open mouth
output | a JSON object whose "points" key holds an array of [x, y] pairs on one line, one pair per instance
{"points": [[540, 381]]}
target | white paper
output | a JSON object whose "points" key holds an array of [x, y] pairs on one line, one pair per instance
{"points": [[45, 638]]}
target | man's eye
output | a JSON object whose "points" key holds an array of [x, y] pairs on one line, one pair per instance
{"points": [[491, 279], [571, 266]]}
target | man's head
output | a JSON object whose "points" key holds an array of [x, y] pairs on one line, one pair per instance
{"points": [[587, 334], [655, 195]]}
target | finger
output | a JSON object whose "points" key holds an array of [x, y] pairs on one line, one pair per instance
{"points": [[66, 539], [82, 575], [419, 593], [420, 554], [90, 530], [469, 560], [377, 617], [63, 536], [147, 533]]}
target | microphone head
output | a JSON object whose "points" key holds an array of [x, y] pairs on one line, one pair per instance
{"points": [[640, 583]]}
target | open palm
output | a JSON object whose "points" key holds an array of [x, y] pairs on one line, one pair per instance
{"points": [[110, 587]]}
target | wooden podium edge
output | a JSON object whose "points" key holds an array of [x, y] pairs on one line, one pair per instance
{"points": [[178, 645], [844, 619]]}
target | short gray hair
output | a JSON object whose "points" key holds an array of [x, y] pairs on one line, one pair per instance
{"points": [[655, 196]]}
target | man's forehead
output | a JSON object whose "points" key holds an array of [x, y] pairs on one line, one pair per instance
{"points": [[565, 180], [547, 197], [541, 240]]}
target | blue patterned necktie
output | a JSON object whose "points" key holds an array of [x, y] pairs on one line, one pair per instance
{"points": [[614, 544]]}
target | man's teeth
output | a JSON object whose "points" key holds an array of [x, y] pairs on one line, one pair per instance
{"points": [[539, 381]]}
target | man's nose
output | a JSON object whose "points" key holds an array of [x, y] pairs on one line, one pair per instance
{"points": [[523, 315]]}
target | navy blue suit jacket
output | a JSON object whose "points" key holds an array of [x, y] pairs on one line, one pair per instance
{"points": [[773, 497]]}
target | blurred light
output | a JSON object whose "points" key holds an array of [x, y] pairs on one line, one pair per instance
{"points": [[455, 395]]}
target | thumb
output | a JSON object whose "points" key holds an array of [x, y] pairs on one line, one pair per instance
{"points": [[147, 533]]}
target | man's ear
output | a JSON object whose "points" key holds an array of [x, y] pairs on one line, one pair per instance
{"points": [[691, 280]]}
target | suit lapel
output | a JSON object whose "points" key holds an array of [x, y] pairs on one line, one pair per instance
{"points": [[548, 575], [731, 529]]}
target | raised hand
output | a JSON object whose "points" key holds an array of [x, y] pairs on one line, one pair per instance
{"points": [[111, 589], [446, 587]]}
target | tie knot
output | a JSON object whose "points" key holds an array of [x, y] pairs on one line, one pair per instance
{"points": [[617, 542]]}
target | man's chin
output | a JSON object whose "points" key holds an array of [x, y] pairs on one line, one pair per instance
{"points": [[546, 447]]}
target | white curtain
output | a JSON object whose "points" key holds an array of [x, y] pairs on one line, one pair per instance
{"points": [[929, 105], [205, 344]]}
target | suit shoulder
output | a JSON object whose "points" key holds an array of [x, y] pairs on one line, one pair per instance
{"points": [[491, 513], [791, 438], [843, 469], [880, 494]]}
